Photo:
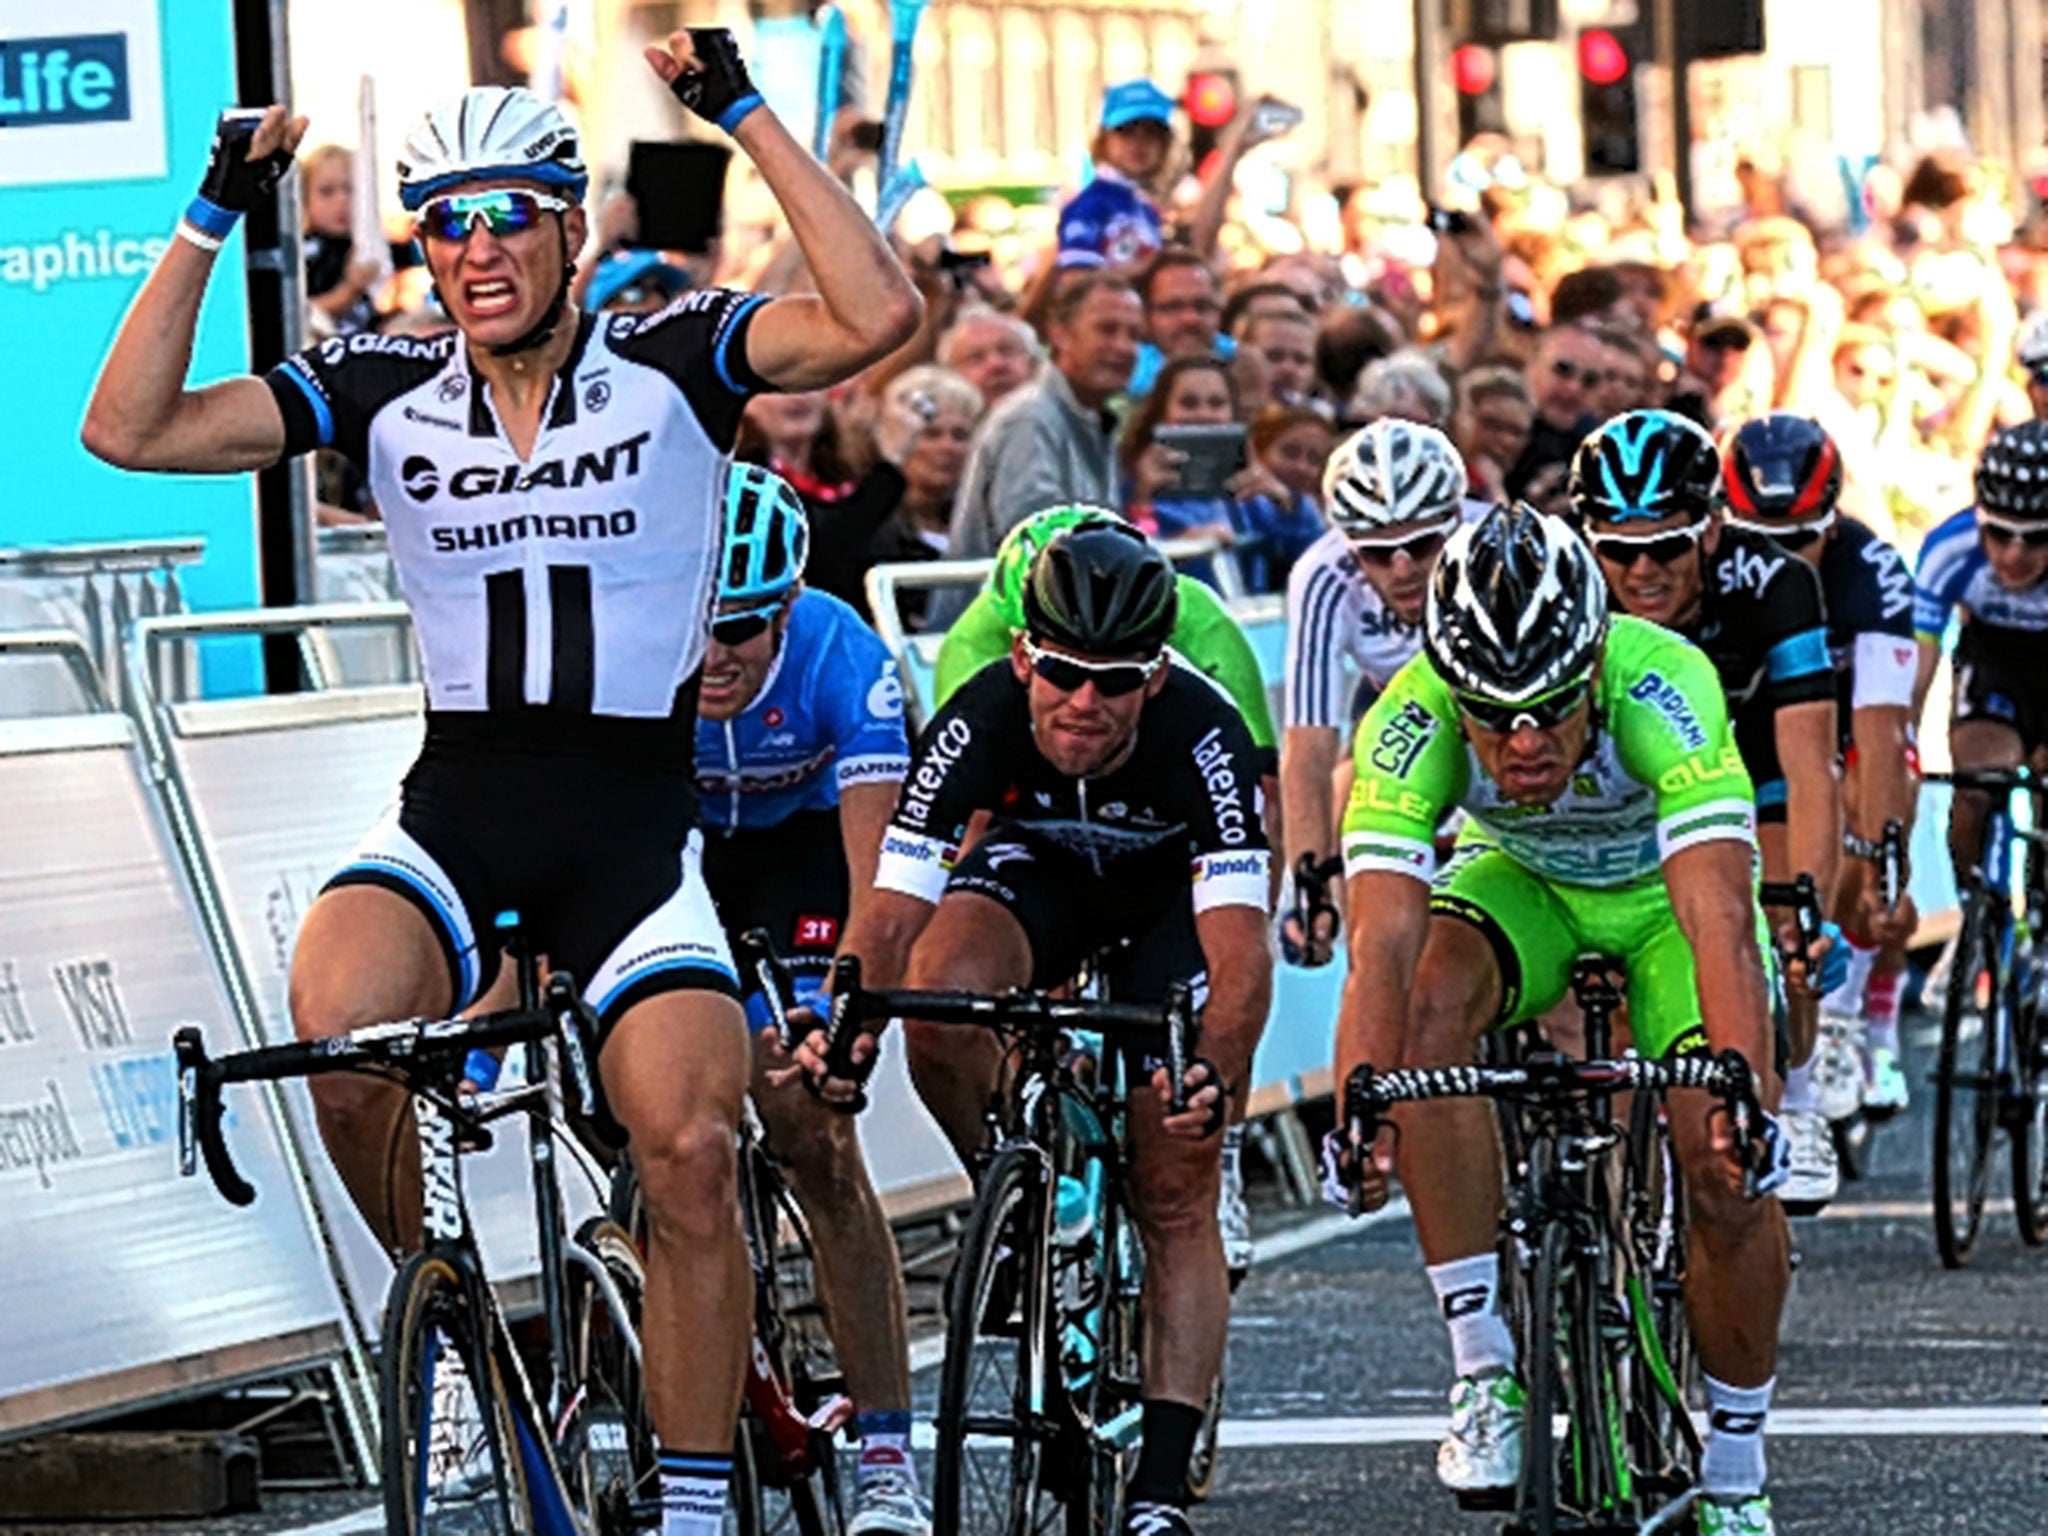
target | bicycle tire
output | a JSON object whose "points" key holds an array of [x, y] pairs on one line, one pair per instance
{"points": [[1668, 1444], [2028, 1123], [1106, 1411], [608, 1446], [1544, 1387], [450, 1465], [998, 1318], [1203, 1465], [1965, 1102]]}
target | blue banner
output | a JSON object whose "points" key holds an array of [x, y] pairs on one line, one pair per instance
{"points": [[106, 117]]}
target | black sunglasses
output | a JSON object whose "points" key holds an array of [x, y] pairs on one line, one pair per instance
{"points": [[1418, 547], [1543, 714], [742, 627], [1112, 679], [1662, 548], [1565, 368]]}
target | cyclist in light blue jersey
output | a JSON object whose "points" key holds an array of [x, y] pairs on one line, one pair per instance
{"points": [[800, 749]]}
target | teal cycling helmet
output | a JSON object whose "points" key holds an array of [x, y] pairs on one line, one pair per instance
{"points": [[1020, 547], [767, 537]]}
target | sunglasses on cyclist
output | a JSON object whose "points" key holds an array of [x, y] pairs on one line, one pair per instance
{"points": [[1794, 538], [1543, 714], [738, 628], [505, 212], [2001, 531], [1112, 679], [1418, 547], [1662, 548]]}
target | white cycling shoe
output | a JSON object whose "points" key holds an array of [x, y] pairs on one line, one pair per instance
{"points": [[1482, 1454], [1838, 1065], [1742, 1517], [1884, 1087], [888, 1504], [1816, 1173]]}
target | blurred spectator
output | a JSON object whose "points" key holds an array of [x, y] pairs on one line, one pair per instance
{"points": [[635, 283], [1727, 373], [992, 351], [1053, 440], [2033, 360], [338, 282], [1590, 293], [1562, 377], [792, 434], [1291, 443], [1407, 385], [1349, 341], [1113, 218], [1628, 373], [902, 509], [1261, 298], [1183, 305], [1491, 428], [1275, 360]]}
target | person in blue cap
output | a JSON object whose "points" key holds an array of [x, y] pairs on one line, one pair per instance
{"points": [[1112, 219], [635, 282]]}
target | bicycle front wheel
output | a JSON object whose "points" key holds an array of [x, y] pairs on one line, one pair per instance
{"points": [[607, 1443], [450, 1467], [2029, 1118], [996, 1387], [1965, 1083]]}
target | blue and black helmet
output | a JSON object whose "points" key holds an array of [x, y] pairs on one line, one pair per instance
{"points": [[767, 537], [1644, 466]]}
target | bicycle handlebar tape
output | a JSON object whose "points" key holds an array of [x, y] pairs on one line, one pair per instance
{"points": [[199, 1085], [720, 91], [1181, 1042], [1891, 864]]}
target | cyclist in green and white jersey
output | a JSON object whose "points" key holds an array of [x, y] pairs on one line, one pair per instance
{"points": [[1609, 812]]}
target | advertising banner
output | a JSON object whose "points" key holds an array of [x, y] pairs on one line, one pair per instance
{"points": [[106, 117]]}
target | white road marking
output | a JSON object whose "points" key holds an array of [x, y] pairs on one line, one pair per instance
{"points": [[1786, 1423], [371, 1519], [1898, 1210]]}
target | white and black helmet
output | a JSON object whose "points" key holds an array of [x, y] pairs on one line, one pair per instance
{"points": [[488, 132], [1517, 608], [1392, 471], [2033, 348]]}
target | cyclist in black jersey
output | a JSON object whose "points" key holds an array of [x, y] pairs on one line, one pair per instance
{"points": [[551, 486], [1124, 804], [1783, 475]]}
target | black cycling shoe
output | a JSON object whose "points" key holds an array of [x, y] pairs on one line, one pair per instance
{"points": [[1156, 1520]]}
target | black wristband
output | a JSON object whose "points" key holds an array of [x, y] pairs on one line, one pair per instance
{"points": [[720, 90], [233, 181]]}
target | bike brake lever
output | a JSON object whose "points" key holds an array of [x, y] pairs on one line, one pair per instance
{"points": [[577, 1029], [199, 1119]]}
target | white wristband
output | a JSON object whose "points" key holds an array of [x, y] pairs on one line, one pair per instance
{"points": [[197, 236]]}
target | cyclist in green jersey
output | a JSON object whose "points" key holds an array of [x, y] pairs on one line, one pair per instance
{"points": [[1609, 812], [1205, 635]]}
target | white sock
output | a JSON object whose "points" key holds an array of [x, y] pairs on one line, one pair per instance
{"points": [[1468, 1292], [1733, 1466], [694, 1493], [1848, 997], [1800, 1094]]}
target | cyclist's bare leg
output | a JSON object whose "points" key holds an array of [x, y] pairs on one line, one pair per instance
{"points": [[972, 944], [366, 955], [1739, 1256], [1976, 745], [1450, 1154], [860, 1279], [1187, 1290], [675, 1071]]}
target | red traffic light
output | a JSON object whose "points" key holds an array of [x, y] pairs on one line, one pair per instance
{"points": [[1211, 100], [1602, 59], [1473, 69]]}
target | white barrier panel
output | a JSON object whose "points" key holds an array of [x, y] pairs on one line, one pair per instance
{"points": [[123, 1281]]}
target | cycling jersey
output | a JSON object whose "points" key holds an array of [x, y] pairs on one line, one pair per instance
{"points": [[578, 581], [1869, 596], [1956, 573], [1183, 806], [1661, 773], [1334, 612], [829, 714], [1205, 636]]}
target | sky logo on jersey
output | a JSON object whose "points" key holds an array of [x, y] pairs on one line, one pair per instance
{"points": [[1747, 568], [1669, 701], [49, 80]]}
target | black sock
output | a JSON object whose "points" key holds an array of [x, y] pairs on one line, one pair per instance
{"points": [[1168, 1445]]}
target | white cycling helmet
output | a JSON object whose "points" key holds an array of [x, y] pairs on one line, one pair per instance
{"points": [[488, 132], [1392, 471], [1517, 608], [2033, 347]]}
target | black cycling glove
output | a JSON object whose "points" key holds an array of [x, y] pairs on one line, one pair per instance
{"points": [[719, 90], [233, 182]]}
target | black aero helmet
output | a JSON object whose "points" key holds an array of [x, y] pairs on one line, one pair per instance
{"points": [[1780, 470], [1101, 589], [2012, 476], [1643, 466], [1517, 608]]}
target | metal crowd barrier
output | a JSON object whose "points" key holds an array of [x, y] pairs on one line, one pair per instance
{"points": [[353, 565], [99, 590], [124, 1282]]}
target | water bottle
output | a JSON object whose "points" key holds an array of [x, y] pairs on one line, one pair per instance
{"points": [[1076, 1210], [1073, 1213]]}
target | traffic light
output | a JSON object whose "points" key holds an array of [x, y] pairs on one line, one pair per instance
{"points": [[1607, 103], [1211, 102], [1475, 71]]}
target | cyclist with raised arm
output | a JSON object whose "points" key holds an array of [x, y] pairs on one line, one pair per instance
{"points": [[1783, 475], [1988, 565], [1393, 492], [1206, 638], [1125, 804], [800, 749], [1609, 812], [552, 488], [1646, 487]]}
